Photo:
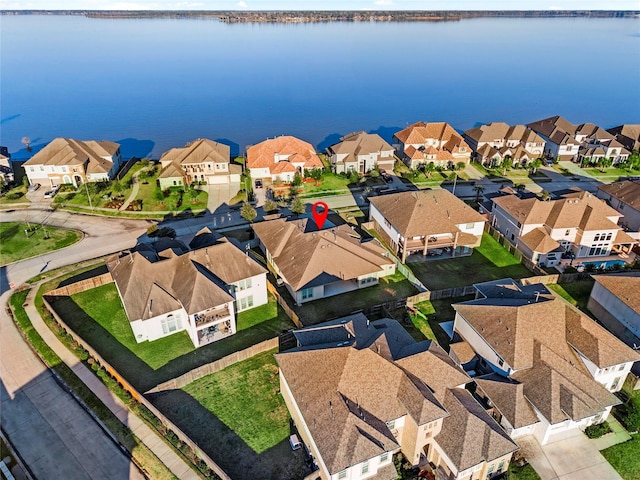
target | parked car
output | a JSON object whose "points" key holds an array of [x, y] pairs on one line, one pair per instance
{"points": [[49, 193], [387, 178], [258, 183], [33, 187]]}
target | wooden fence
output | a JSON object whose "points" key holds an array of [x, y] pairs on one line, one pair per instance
{"points": [[287, 309], [199, 372], [81, 286], [136, 395]]}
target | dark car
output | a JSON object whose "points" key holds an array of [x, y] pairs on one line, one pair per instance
{"points": [[258, 183], [387, 178]]}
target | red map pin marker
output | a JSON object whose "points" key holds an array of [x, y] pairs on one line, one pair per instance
{"points": [[319, 217]]}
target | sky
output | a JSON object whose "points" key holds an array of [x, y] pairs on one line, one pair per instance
{"points": [[319, 5]]}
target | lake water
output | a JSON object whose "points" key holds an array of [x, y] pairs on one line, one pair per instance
{"points": [[153, 84]]}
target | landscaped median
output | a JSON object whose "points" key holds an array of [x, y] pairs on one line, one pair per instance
{"points": [[19, 240]]}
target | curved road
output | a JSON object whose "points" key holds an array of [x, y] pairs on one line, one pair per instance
{"points": [[52, 433]]}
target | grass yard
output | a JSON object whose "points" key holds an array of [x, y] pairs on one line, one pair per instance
{"points": [[15, 195], [246, 397], [16, 245], [393, 287], [175, 201], [97, 316], [489, 261], [103, 305], [625, 458], [332, 181], [576, 293], [611, 172], [270, 311], [522, 473], [436, 311]]}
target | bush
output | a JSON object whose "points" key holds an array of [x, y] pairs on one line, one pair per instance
{"points": [[597, 430], [14, 195], [629, 412]]}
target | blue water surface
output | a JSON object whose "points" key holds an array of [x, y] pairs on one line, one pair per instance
{"points": [[153, 84]]}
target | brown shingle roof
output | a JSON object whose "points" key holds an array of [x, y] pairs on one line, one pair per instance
{"points": [[262, 154], [469, 435], [626, 191], [195, 280], [67, 151], [199, 151], [308, 258], [347, 393], [425, 212], [508, 397], [360, 143], [625, 286], [538, 240]]}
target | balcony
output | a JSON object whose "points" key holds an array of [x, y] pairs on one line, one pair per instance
{"points": [[433, 242], [211, 316]]}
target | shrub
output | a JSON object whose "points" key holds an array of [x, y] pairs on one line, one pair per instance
{"points": [[270, 206], [597, 430], [629, 412], [14, 195]]}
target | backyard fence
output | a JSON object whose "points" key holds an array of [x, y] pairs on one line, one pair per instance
{"points": [[287, 309], [213, 367], [511, 248], [81, 286], [136, 395]]}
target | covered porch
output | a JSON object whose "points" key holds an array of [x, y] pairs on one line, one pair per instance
{"points": [[450, 245], [344, 286], [215, 332]]}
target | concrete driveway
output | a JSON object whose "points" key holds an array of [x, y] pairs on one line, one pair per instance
{"points": [[219, 195], [571, 458]]}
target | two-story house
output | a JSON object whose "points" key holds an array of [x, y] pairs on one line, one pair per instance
{"points": [[628, 135], [317, 264], [546, 367], [6, 170], [433, 142], [624, 197], [361, 152], [198, 291], [426, 222], [202, 160], [69, 161], [360, 391], [615, 301], [583, 143], [281, 158], [493, 142], [579, 228]]}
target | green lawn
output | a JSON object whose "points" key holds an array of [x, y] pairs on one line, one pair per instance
{"points": [[174, 202], [98, 317], [103, 305], [522, 473], [436, 311], [16, 245], [625, 458], [489, 261], [611, 172], [577, 292], [263, 313], [393, 287], [15, 195], [245, 397], [332, 181]]}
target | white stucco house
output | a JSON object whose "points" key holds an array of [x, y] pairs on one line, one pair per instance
{"points": [[361, 152], [281, 158], [69, 161], [199, 291]]}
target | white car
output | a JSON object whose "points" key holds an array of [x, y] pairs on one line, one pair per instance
{"points": [[49, 194]]}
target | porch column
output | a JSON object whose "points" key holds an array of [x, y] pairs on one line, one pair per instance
{"points": [[404, 250], [455, 244], [426, 245]]}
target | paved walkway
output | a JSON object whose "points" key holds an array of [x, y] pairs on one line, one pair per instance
{"points": [[618, 435], [151, 439], [572, 458], [134, 192]]}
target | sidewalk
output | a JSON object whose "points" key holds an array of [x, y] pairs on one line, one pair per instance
{"points": [[618, 435], [151, 439]]}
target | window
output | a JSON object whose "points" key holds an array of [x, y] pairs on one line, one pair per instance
{"points": [[342, 474], [391, 424], [469, 226], [491, 468], [170, 324], [608, 236], [365, 467], [621, 367], [500, 361], [384, 457], [501, 466], [567, 231], [597, 237], [615, 382], [307, 293]]}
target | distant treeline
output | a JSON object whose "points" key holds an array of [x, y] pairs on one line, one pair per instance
{"points": [[332, 16]]}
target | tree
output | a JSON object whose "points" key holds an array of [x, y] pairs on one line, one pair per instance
{"points": [[429, 169], [535, 165], [270, 206], [298, 206], [2, 182], [116, 186], [460, 166], [479, 189], [354, 176], [634, 160], [316, 174], [159, 196], [506, 164], [27, 143], [605, 163], [297, 180], [545, 195], [193, 193], [248, 212]]}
